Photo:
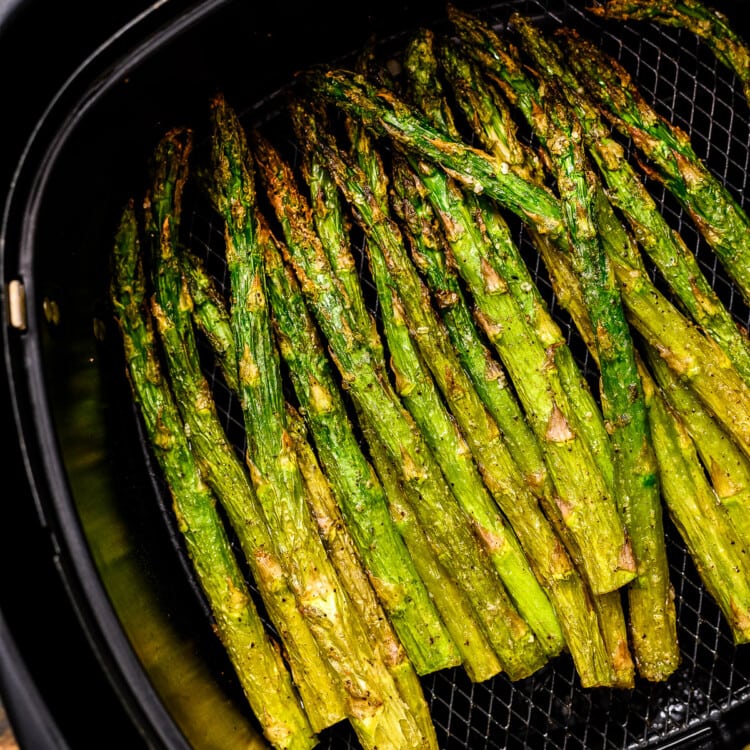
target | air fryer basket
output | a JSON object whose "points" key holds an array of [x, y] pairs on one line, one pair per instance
{"points": [[105, 500]]}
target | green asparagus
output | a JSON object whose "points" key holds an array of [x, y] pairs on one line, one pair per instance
{"points": [[264, 676], [223, 470], [712, 26], [479, 658], [446, 525], [543, 548], [378, 713], [720, 558], [716, 212], [727, 467]]}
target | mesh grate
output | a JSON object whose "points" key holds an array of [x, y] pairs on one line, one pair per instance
{"points": [[550, 710]]}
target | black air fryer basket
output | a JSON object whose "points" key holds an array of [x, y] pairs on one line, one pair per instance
{"points": [[101, 501]]}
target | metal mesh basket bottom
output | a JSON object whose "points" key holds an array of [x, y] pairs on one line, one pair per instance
{"points": [[549, 709]]}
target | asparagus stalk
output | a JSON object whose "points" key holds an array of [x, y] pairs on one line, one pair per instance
{"points": [[302, 349], [720, 558], [378, 713], [489, 380], [333, 225], [361, 497], [216, 457], [653, 629], [351, 570], [665, 246], [586, 503], [402, 298], [727, 467], [497, 134], [444, 522], [362, 501], [478, 657], [211, 316], [717, 214], [694, 358], [712, 26], [257, 661]]}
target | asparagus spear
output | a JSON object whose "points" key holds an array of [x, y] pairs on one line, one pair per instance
{"points": [[332, 225], [626, 189], [479, 658], [264, 676], [719, 556], [422, 340], [211, 316], [727, 467], [690, 499], [351, 570], [497, 133], [717, 214], [694, 358], [216, 457], [654, 638], [360, 495], [301, 347], [712, 26], [378, 713], [445, 524]]}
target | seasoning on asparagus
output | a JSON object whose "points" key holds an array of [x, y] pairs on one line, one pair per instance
{"points": [[256, 658], [362, 500], [527, 361], [712, 26], [716, 212], [665, 246], [303, 350], [444, 522], [353, 574], [653, 630], [224, 473], [420, 350], [635, 480], [378, 713]]}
